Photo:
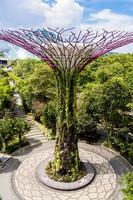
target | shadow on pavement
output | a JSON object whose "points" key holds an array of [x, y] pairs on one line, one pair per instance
{"points": [[27, 149], [16, 158], [10, 165], [120, 165]]}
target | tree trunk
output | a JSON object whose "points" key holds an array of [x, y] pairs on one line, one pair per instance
{"points": [[66, 156], [20, 138], [4, 145]]}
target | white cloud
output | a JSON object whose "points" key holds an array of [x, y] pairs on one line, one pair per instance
{"points": [[110, 20], [34, 6], [69, 13], [64, 13], [106, 19]]}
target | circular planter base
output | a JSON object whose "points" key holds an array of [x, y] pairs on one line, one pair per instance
{"points": [[43, 177], [27, 185]]}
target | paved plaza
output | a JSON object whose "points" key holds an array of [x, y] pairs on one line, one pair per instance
{"points": [[21, 182]]}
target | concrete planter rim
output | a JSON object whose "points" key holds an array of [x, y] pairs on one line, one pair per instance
{"points": [[65, 186]]}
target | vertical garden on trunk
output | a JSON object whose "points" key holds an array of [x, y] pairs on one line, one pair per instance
{"points": [[66, 165], [67, 53]]}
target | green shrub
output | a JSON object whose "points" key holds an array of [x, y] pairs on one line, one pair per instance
{"points": [[12, 132], [15, 145], [121, 143], [6, 131], [86, 122], [20, 128], [127, 185], [87, 127]]}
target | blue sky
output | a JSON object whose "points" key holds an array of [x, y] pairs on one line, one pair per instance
{"points": [[82, 14]]}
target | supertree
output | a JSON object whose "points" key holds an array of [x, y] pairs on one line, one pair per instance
{"points": [[67, 53]]}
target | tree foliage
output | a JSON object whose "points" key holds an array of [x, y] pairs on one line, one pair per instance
{"points": [[6, 131], [105, 94], [6, 91], [10, 128], [35, 83], [20, 128]]}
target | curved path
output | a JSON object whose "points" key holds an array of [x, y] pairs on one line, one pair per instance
{"points": [[18, 180], [34, 136]]}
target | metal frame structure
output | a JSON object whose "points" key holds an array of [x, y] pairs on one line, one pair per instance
{"points": [[74, 51]]}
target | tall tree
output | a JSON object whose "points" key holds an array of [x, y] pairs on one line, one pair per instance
{"points": [[67, 56]]}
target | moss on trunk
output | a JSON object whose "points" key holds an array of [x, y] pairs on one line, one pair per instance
{"points": [[66, 165]]}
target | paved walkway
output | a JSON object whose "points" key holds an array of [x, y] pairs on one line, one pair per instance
{"points": [[34, 136], [101, 188], [8, 162], [18, 179], [4, 157]]}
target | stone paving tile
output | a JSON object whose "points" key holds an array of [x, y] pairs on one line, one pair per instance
{"points": [[24, 156], [102, 186]]}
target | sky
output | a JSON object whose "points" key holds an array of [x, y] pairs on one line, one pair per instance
{"points": [[81, 14]]}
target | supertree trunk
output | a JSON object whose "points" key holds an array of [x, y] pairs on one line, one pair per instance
{"points": [[66, 163]]}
